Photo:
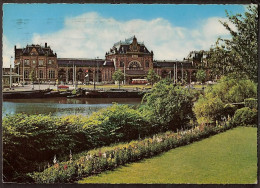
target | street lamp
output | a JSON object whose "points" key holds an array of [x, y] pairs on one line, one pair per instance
{"points": [[23, 72], [67, 74], [39, 82], [94, 75], [182, 73], [97, 71], [11, 72], [124, 74], [18, 72]]}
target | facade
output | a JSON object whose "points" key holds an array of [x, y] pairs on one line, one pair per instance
{"points": [[130, 56], [9, 77], [39, 59]]}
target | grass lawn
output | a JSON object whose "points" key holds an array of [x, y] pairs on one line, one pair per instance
{"points": [[226, 158]]}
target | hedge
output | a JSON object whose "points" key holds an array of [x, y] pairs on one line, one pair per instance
{"points": [[97, 161]]}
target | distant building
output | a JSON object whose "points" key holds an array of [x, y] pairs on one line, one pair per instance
{"points": [[41, 59], [130, 56], [8, 75]]}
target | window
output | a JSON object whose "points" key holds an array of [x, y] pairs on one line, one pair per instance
{"points": [[51, 74], [135, 65], [26, 62], [147, 63], [121, 64], [33, 61], [40, 74], [41, 61], [26, 74], [50, 62]]}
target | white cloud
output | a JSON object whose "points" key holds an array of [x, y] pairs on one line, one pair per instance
{"points": [[91, 35], [8, 52]]}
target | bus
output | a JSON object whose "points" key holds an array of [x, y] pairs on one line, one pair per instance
{"points": [[139, 81]]}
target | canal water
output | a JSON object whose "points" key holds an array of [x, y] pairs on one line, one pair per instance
{"points": [[62, 106]]}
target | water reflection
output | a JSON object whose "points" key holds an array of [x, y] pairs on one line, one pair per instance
{"points": [[62, 106]]}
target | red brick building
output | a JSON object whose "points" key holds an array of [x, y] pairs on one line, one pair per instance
{"points": [[131, 56], [39, 59]]}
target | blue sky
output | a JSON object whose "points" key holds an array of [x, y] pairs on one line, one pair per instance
{"points": [[89, 30]]}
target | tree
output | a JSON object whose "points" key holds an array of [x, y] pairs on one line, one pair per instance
{"points": [[32, 77], [118, 76], [238, 54], [152, 77], [201, 75], [168, 106]]}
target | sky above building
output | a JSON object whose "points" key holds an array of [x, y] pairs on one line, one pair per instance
{"points": [[90, 30]]}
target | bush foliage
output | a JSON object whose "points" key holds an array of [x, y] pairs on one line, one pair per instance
{"points": [[251, 103], [168, 107], [245, 116], [217, 101]]}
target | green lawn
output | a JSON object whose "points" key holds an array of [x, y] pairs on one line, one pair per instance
{"points": [[226, 158]]}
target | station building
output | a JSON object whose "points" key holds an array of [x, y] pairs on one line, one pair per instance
{"points": [[130, 56]]}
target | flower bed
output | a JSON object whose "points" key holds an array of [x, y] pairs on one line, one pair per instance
{"points": [[97, 161]]}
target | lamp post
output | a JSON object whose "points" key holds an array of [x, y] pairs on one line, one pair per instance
{"points": [[11, 72], [124, 74], [76, 83], [18, 72], [73, 75], [67, 75], [94, 75], [182, 72], [174, 73], [97, 71], [23, 72], [39, 83]]}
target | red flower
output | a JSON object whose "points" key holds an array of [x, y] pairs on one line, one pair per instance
{"points": [[65, 167]]}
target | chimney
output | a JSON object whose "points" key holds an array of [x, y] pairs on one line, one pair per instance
{"points": [[45, 44]]}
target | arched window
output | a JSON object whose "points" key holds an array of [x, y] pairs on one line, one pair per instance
{"points": [[135, 65]]}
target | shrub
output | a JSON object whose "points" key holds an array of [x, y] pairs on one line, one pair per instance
{"points": [[168, 107], [251, 103], [118, 123], [216, 102], [245, 116], [208, 110]]}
